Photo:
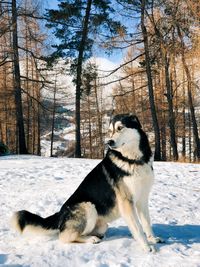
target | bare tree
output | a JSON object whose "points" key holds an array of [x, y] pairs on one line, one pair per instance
{"points": [[17, 83], [150, 82]]}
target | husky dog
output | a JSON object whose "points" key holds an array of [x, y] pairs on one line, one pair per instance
{"points": [[118, 186]]}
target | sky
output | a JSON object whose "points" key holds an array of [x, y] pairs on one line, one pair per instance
{"points": [[115, 57]]}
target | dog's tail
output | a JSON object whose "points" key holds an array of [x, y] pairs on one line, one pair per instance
{"points": [[25, 221]]}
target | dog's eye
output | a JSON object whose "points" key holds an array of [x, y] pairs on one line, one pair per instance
{"points": [[119, 128]]}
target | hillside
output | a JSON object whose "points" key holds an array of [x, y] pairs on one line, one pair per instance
{"points": [[41, 185]]}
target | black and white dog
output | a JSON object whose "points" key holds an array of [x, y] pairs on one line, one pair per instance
{"points": [[118, 186]]}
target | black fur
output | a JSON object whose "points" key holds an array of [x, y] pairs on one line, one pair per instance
{"points": [[97, 187], [144, 146], [27, 218], [117, 154], [129, 120]]}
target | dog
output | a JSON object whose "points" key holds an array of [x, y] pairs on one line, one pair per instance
{"points": [[118, 186]]}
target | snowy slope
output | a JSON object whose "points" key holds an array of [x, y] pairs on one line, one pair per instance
{"points": [[41, 185]]}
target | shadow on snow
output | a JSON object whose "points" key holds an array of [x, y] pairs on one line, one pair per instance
{"points": [[183, 234]]}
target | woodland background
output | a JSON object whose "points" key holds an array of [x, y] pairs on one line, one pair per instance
{"points": [[158, 78]]}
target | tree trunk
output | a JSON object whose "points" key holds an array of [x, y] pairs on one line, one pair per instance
{"points": [[190, 98], [27, 84], [38, 128], [189, 137], [170, 109], [183, 132], [53, 118], [17, 84], [150, 84], [99, 121], [89, 125], [79, 79], [163, 116]]}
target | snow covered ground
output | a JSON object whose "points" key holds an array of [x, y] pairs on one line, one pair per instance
{"points": [[41, 185]]}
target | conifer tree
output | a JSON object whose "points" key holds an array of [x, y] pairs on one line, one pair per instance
{"points": [[78, 24]]}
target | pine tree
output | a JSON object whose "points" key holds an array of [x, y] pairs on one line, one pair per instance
{"points": [[77, 24]]}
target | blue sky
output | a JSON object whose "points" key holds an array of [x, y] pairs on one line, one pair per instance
{"points": [[116, 56], [52, 3]]}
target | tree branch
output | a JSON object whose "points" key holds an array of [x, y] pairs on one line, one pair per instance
{"points": [[33, 80], [131, 91], [122, 78], [5, 61], [31, 52], [121, 66]]}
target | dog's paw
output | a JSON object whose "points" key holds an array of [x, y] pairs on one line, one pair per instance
{"points": [[155, 240], [93, 240], [150, 248], [153, 249], [100, 236]]}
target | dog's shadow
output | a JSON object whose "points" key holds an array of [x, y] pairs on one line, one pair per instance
{"points": [[183, 234]]}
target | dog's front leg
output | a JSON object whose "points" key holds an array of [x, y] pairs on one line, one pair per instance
{"points": [[128, 212], [143, 213]]}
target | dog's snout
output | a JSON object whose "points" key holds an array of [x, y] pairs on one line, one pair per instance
{"points": [[111, 143]]}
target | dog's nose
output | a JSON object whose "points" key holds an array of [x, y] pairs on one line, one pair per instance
{"points": [[111, 143]]}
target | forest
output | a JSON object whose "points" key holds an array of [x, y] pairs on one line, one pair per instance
{"points": [[157, 77]]}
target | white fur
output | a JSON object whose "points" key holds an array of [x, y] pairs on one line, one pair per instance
{"points": [[100, 227], [14, 222], [112, 215], [88, 239], [128, 212], [68, 236], [127, 143], [32, 230], [91, 217], [138, 184], [123, 164], [71, 235]]}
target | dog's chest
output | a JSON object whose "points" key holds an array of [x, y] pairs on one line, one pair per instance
{"points": [[140, 182]]}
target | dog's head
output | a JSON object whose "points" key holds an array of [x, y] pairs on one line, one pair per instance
{"points": [[127, 136]]}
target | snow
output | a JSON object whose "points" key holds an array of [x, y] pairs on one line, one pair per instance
{"points": [[66, 136], [41, 185]]}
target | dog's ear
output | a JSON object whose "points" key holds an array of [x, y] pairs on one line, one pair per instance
{"points": [[135, 119]]}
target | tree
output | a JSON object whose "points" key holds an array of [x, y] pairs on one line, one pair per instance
{"points": [[92, 111], [32, 80], [150, 83], [21, 46], [190, 96], [7, 99], [163, 39], [176, 27], [77, 24], [17, 83], [171, 70]]}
